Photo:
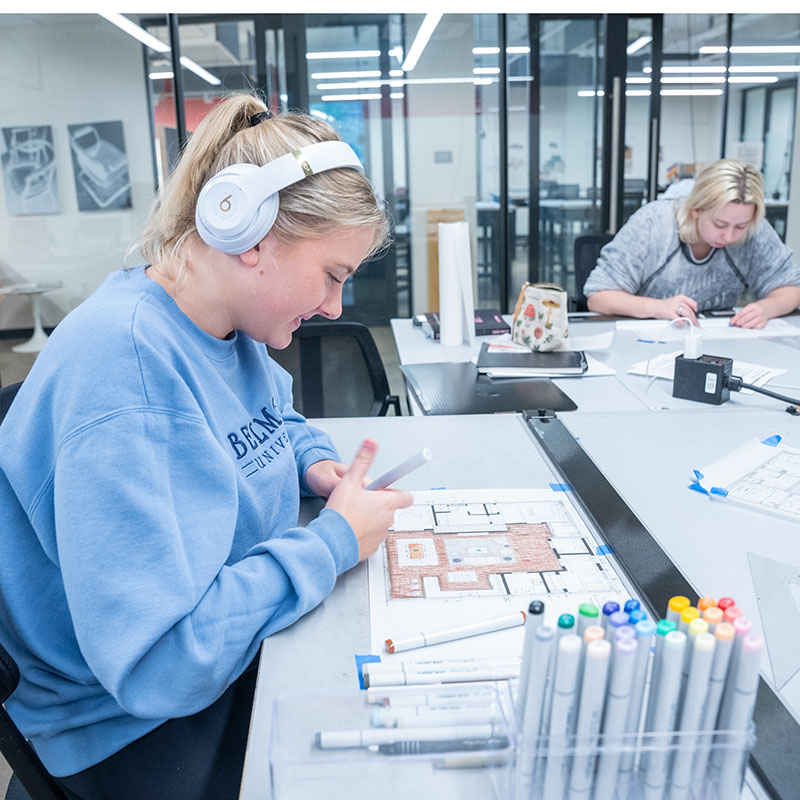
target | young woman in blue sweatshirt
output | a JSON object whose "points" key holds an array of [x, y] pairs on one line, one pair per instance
{"points": [[150, 475]]}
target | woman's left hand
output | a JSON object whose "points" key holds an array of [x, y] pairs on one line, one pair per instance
{"points": [[323, 477], [753, 315]]}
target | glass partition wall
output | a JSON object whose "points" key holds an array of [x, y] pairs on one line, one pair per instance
{"points": [[492, 119]]}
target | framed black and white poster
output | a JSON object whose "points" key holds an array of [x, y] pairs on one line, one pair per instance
{"points": [[29, 170], [100, 165]]}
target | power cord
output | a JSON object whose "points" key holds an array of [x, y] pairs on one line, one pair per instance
{"points": [[736, 383], [657, 341]]}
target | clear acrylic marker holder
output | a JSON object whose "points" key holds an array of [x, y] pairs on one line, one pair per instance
{"points": [[475, 768], [693, 765]]}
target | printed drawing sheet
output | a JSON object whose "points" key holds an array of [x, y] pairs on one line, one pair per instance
{"points": [[709, 328], [461, 556], [762, 475]]}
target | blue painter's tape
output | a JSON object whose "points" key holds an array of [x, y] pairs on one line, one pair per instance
{"points": [[560, 487], [604, 550], [772, 441], [699, 475], [698, 488], [360, 661], [438, 488], [651, 341], [719, 490]]}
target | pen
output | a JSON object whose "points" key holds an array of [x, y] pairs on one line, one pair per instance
{"points": [[423, 639], [409, 465], [378, 736], [415, 748]]}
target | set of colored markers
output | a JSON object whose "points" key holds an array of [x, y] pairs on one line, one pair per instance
{"points": [[590, 723]]}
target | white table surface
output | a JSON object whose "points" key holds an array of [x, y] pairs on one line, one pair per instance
{"points": [[647, 456]]}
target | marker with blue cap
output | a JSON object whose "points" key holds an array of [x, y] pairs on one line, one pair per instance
{"points": [[608, 609]]}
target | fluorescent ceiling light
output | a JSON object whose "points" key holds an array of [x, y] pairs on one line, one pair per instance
{"points": [[161, 76], [396, 73], [351, 85], [637, 93], [779, 48], [590, 93], [782, 68], [396, 96], [330, 98], [693, 69], [755, 48], [638, 80], [485, 51], [648, 70], [641, 42], [520, 79], [421, 40], [132, 29], [199, 71], [690, 92], [482, 81], [695, 79], [397, 52], [344, 54], [140, 34], [485, 70], [360, 73], [754, 79], [522, 50]]}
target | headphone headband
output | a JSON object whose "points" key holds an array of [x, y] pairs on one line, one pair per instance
{"points": [[238, 206]]}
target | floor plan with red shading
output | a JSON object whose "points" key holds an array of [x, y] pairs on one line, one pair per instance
{"points": [[453, 549]]}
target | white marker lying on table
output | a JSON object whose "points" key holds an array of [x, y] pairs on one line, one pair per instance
{"points": [[422, 639], [401, 470]]}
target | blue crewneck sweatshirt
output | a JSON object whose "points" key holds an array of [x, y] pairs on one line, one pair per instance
{"points": [[150, 477]]}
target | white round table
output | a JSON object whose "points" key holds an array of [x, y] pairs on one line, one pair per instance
{"points": [[35, 292]]}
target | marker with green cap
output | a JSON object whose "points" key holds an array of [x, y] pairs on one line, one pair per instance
{"points": [[588, 614], [663, 627]]}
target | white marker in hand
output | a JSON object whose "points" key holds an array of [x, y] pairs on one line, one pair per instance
{"points": [[409, 465]]}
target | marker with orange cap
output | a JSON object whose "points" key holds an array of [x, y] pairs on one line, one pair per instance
{"points": [[423, 639], [724, 633], [675, 607], [706, 602], [713, 616]]}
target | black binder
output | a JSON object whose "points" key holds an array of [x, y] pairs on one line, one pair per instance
{"points": [[458, 388]]}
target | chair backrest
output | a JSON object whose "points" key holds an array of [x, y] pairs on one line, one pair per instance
{"points": [[21, 757], [586, 250], [7, 395], [337, 371]]}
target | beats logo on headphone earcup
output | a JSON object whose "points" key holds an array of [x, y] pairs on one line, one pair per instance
{"points": [[225, 217]]}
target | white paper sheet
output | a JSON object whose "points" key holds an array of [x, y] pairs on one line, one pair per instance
{"points": [[457, 556], [762, 476], [648, 329]]}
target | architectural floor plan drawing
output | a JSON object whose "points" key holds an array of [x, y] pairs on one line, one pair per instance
{"points": [[762, 475], [460, 556]]}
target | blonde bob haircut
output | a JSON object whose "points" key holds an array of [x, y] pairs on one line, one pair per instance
{"points": [[310, 209], [722, 182]]}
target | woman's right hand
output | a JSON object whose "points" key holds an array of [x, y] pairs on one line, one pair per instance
{"points": [[370, 513], [680, 305]]}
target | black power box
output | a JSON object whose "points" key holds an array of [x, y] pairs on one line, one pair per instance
{"points": [[703, 379]]}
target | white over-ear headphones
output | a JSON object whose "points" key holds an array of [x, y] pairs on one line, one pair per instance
{"points": [[238, 206]]}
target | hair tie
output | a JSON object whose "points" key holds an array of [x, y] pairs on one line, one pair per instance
{"points": [[260, 117]]}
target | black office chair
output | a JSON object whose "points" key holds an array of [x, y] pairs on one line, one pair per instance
{"points": [[586, 250], [30, 781], [337, 371]]}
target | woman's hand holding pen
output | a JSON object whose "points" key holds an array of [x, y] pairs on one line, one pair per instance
{"points": [[370, 513], [680, 305]]}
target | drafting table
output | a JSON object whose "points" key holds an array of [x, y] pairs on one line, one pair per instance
{"points": [[484, 452]]}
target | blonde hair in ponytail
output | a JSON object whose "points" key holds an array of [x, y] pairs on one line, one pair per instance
{"points": [[309, 209]]}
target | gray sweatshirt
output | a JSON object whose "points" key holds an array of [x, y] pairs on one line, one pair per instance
{"points": [[647, 258]]}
